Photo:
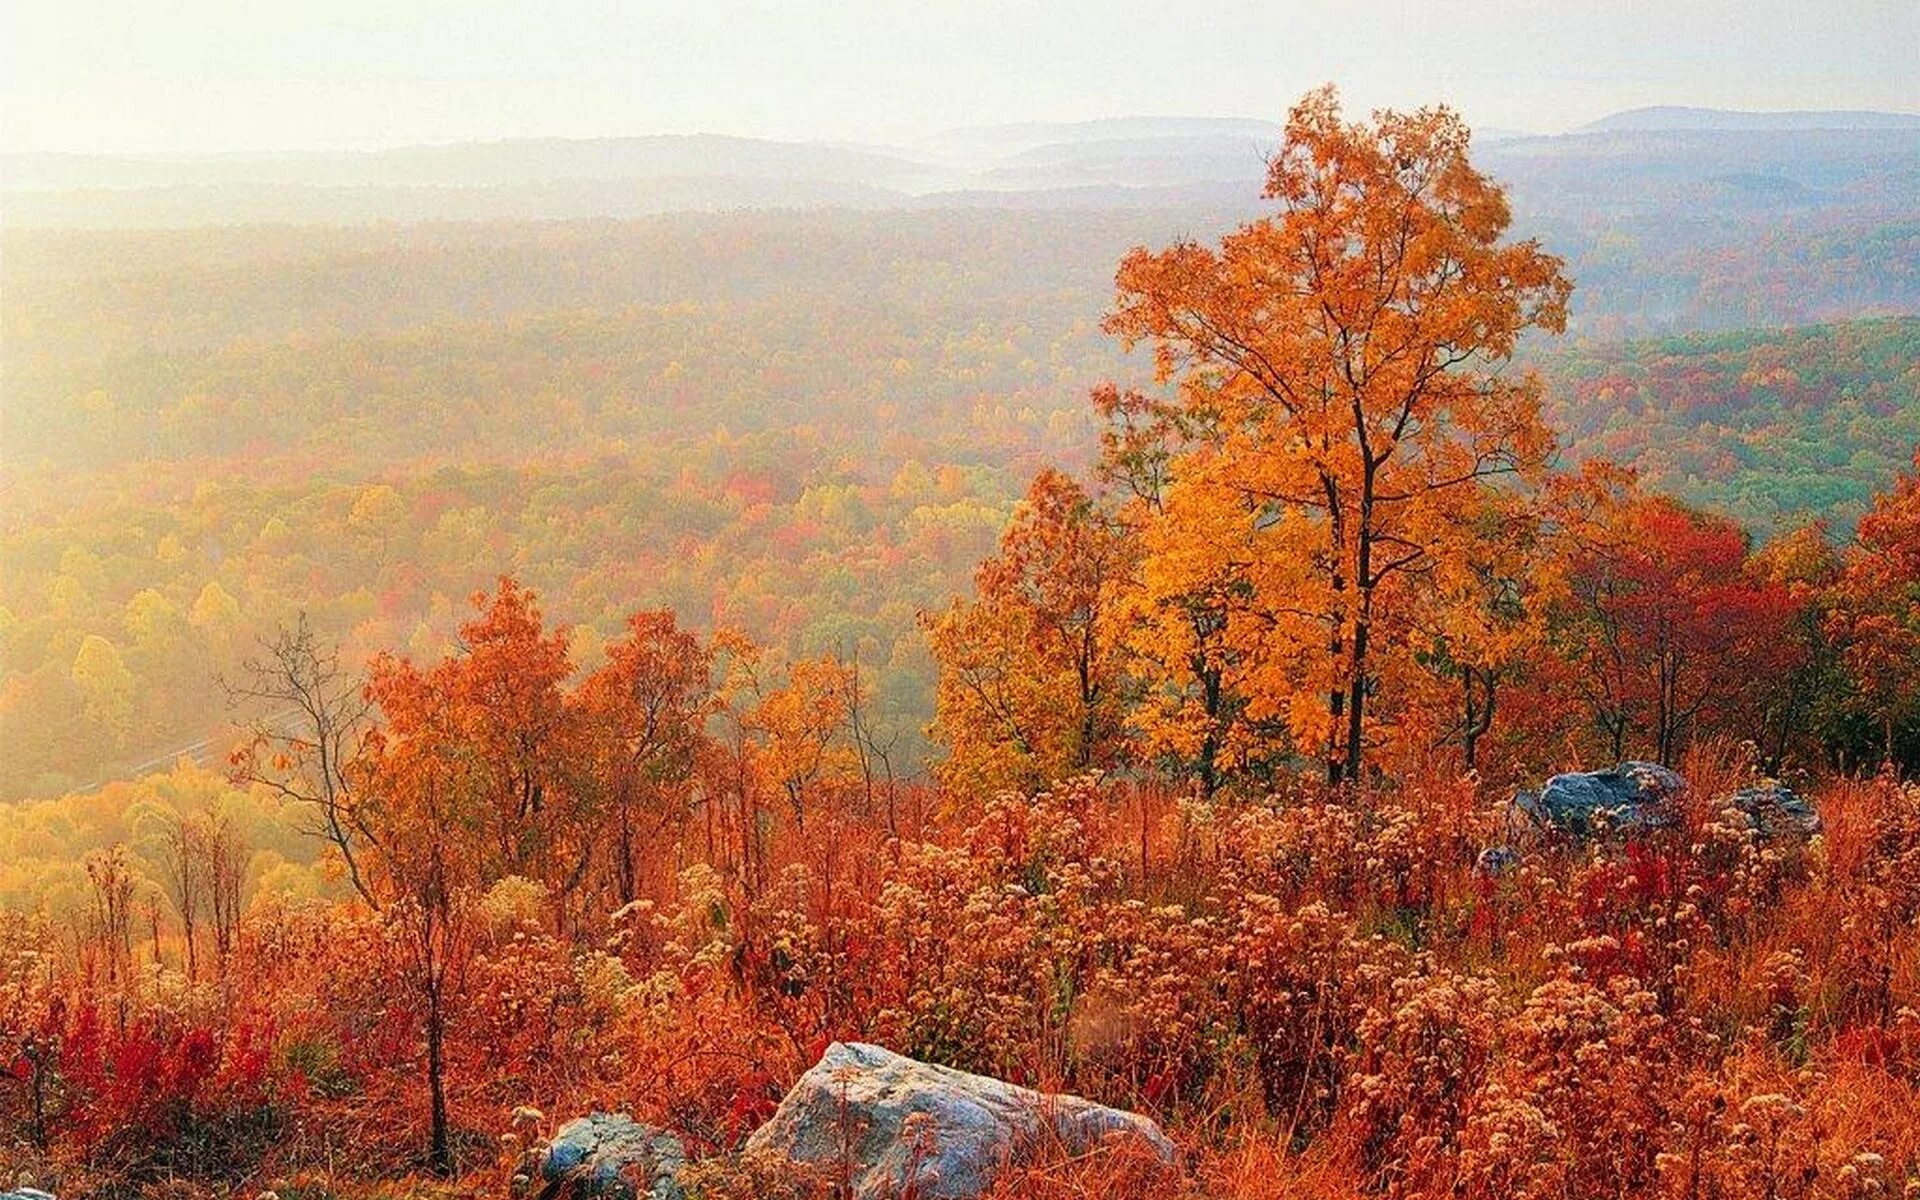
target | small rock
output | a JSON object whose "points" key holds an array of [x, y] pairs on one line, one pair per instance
{"points": [[26, 1193], [611, 1156], [1633, 797], [1775, 810], [1495, 861], [898, 1126]]}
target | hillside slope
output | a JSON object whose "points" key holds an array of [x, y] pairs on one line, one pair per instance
{"points": [[1770, 427], [810, 425]]}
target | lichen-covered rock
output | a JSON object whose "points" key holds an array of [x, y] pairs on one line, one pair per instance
{"points": [[610, 1156], [1775, 810], [898, 1126], [1631, 798]]}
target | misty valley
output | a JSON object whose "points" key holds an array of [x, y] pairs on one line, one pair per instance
{"points": [[1178, 658]]}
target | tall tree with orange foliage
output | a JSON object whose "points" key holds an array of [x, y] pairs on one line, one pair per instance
{"points": [[1486, 620], [1192, 708], [1876, 608], [423, 796], [1804, 562], [1031, 685], [508, 688], [464, 782], [804, 741], [1340, 366], [646, 713]]}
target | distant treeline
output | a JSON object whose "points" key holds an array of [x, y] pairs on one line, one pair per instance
{"points": [[809, 425]]}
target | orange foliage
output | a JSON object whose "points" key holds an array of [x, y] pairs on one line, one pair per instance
{"points": [[1878, 617], [1030, 684], [1154, 872], [1339, 396]]}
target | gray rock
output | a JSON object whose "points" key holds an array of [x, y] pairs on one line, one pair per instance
{"points": [[1496, 860], [898, 1126], [26, 1193], [1633, 797], [611, 1156], [1775, 810]]}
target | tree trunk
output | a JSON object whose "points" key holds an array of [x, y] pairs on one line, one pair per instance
{"points": [[1357, 698], [1364, 579], [37, 1128], [629, 884], [1089, 697], [440, 1150], [1336, 698], [1208, 766], [1475, 719]]}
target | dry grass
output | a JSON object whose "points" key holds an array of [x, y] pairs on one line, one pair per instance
{"points": [[1321, 998]]}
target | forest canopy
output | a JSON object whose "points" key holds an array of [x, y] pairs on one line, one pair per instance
{"points": [[590, 689], [810, 425]]}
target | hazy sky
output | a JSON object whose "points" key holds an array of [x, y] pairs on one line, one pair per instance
{"points": [[188, 75]]}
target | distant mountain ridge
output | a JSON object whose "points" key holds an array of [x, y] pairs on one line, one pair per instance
{"points": [[1639, 163], [980, 144], [1661, 118]]}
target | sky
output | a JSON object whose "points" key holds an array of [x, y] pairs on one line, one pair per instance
{"points": [[191, 76]]}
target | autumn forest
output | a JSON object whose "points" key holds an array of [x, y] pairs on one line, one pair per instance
{"points": [[461, 676]]}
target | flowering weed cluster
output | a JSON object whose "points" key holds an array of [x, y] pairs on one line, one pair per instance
{"points": [[1334, 990]]}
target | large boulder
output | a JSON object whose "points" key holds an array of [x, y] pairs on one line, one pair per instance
{"points": [[610, 1156], [1775, 810], [897, 1126], [1633, 797]]}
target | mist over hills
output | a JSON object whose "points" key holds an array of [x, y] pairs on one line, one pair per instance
{"points": [[476, 164], [816, 327], [1680, 117], [978, 144], [1673, 218], [1660, 156]]}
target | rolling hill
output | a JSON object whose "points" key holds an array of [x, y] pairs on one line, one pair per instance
{"points": [[811, 425]]}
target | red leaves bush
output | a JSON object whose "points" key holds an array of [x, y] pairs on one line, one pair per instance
{"points": [[153, 1093]]}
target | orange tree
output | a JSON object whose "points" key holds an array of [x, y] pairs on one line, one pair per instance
{"points": [[1875, 610], [508, 688], [1801, 701], [1483, 630], [1031, 683], [1339, 374], [1485, 621], [803, 740], [465, 781], [419, 806], [645, 714]]}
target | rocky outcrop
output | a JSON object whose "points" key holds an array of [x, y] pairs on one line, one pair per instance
{"points": [[891, 1126], [1633, 797], [608, 1156], [1776, 811]]}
